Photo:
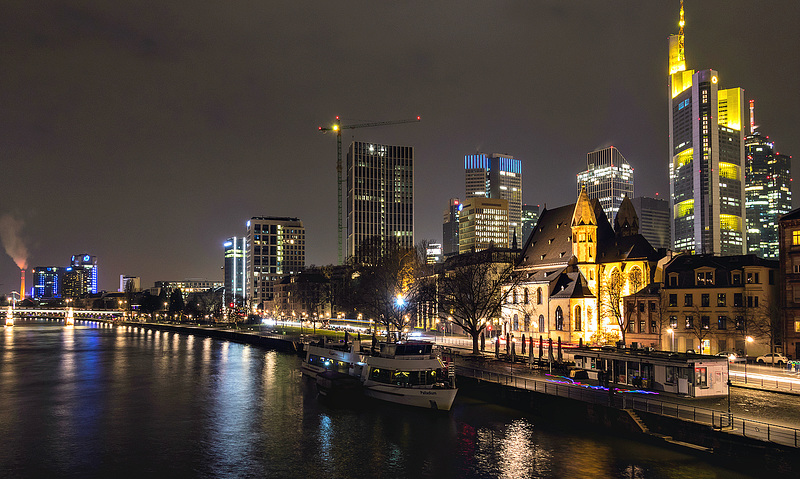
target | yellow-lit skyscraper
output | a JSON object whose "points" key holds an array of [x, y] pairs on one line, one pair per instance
{"points": [[707, 207]]}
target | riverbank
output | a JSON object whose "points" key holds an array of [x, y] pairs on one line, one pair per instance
{"points": [[706, 440]]}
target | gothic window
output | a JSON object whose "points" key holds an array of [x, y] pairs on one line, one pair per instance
{"points": [[539, 296], [577, 318], [559, 319]]}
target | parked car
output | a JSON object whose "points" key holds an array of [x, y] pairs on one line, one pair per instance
{"points": [[772, 358], [733, 357]]}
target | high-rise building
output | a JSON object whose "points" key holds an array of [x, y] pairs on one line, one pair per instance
{"points": [[80, 277], [380, 194], [274, 247], [496, 176], [47, 282], [707, 204], [450, 228], [482, 223], [653, 220], [433, 253], [608, 178], [134, 281], [530, 215], [234, 268], [768, 194]]}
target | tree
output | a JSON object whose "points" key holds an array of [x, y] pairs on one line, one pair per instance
{"points": [[472, 293], [662, 313], [700, 325], [176, 304], [387, 285], [765, 322], [610, 294]]}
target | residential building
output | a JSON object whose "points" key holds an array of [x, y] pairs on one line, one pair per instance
{"points": [[713, 303], [450, 228], [380, 194], [47, 282], [482, 223], [274, 247], [654, 222], [768, 193], [706, 151], [234, 268], [576, 269], [608, 178], [497, 176], [530, 215], [789, 260]]}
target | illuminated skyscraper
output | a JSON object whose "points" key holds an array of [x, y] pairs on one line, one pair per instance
{"points": [[768, 194], [530, 216], [608, 178], [234, 271], [80, 277], [482, 223], [500, 177], [274, 247], [47, 282], [706, 142], [380, 194], [450, 228]]}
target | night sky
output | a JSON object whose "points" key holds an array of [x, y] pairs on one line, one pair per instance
{"points": [[147, 132]]}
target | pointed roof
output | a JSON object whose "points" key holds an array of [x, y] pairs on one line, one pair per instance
{"points": [[626, 222], [584, 211]]}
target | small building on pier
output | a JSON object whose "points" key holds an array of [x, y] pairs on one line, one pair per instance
{"points": [[693, 375]]}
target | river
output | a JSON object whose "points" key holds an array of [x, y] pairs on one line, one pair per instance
{"points": [[96, 400]]}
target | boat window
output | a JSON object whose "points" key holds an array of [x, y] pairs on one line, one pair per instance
{"points": [[381, 375], [400, 378]]}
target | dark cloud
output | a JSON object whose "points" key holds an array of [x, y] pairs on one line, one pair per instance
{"points": [[147, 133]]}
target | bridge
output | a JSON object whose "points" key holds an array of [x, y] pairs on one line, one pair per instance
{"points": [[66, 314]]}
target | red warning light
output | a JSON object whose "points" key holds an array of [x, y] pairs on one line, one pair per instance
{"points": [[418, 118]]}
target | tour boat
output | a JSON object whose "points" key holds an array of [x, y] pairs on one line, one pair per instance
{"points": [[409, 373]]}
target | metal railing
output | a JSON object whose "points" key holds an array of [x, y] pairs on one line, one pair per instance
{"points": [[787, 436]]}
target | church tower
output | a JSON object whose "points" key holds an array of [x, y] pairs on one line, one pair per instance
{"points": [[584, 230]]}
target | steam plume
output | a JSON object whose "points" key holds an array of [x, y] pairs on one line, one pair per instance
{"points": [[10, 229]]}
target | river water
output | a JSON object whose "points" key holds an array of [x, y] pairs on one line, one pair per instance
{"points": [[96, 400]]}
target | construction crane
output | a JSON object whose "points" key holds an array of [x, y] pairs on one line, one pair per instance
{"points": [[338, 127]]}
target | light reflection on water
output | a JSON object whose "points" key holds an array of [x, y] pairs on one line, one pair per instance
{"points": [[104, 401]]}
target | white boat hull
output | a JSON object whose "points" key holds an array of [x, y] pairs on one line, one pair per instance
{"points": [[438, 398]]}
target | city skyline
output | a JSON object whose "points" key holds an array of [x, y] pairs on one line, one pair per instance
{"points": [[149, 140]]}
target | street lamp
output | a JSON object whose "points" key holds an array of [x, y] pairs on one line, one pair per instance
{"points": [[748, 339]]}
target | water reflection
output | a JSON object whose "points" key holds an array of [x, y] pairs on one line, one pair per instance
{"points": [[110, 402]]}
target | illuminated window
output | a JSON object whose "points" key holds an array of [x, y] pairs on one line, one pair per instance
{"points": [[796, 238]]}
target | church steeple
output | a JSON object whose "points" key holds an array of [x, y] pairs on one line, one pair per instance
{"points": [[626, 223], [584, 230]]}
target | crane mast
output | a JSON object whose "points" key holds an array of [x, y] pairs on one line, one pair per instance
{"points": [[338, 127]]}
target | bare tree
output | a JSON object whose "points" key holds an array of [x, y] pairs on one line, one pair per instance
{"points": [[700, 328], [473, 293], [387, 285], [765, 322], [610, 294]]}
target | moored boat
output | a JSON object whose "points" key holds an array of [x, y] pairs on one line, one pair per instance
{"points": [[406, 372], [409, 373]]}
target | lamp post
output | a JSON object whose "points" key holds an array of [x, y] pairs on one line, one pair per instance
{"points": [[748, 339]]}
